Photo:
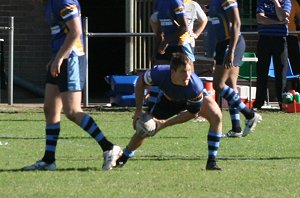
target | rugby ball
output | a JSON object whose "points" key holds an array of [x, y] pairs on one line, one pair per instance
{"points": [[145, 125]]}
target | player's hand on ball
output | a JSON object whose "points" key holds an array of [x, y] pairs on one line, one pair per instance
{"points": [[145, 126], [160, 124], [135, 117]]}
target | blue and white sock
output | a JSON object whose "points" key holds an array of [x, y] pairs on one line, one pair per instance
{"points": [[234, 101], [213, 142], [90, 126], [52, 134]]}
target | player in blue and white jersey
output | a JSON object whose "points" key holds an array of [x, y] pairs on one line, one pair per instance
{"points": [[64, 84], [272, 18], [172, 30], [229, 53], [182, 98]]}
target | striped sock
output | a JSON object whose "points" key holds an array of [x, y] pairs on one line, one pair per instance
{"points": [[213, 141], [235, 119], [90, 126], [234, 101], [128, 152], [52, 134]]}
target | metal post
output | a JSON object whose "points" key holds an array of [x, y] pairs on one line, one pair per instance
{"points": [[10, 61], [2, 75], [86, 49], [250, 84], [129, 40]]}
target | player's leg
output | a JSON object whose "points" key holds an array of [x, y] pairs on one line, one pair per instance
{"points": [[52, 110], [73, 111], [74, 75], [236, 130], [222, 74], [162, 109], [234, 101], [211, 111]]}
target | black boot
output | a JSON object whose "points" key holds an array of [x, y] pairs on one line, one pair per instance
{"points": [[212, 165], [121, 161]]}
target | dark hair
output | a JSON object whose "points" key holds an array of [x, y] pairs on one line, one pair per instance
{"points": [[178, 60]]}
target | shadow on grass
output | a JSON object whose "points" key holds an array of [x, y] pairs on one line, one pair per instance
{"points": [[157, 158], [41, 138], [181, 157], [59, 169], [74, 137], [22, 120]]}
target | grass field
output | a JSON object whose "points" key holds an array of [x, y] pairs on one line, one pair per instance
{"points": [[264, 164]]}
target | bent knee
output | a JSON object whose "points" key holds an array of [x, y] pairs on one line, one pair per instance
{"points": [[71, 115]]}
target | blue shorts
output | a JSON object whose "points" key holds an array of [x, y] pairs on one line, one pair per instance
{"points": [[185, 49], [72, 74], [222, 48]]}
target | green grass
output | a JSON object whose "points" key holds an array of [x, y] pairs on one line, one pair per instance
{"points": [[264, 164]]}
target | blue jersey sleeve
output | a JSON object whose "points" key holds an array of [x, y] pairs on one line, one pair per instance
{"points": [[69, 9], [157, 75]]}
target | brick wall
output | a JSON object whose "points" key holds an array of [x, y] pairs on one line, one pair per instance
{"points": [[32, 46]]}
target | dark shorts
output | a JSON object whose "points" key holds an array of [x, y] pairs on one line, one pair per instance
{"points": [[164, 108], [222, 47], [72, 74], [185, 49]]}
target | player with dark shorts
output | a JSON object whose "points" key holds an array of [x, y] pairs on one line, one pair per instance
{"points": [[222, 47], [229, 53], [182, 98]]}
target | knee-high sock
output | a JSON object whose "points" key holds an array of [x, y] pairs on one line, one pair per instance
{"points": [[213, 142], [52, 134], [90, 126], [235, 119], [234, 101]]}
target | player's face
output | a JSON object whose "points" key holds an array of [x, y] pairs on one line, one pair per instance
{"points": [[182, 75]]}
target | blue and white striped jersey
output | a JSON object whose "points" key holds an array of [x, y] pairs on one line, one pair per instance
{"points": [[58, 12]]}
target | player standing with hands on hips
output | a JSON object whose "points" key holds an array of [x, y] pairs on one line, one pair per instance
{"points": [[65, 81]]}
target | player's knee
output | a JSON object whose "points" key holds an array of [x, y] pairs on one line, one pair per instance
{"points": [[71, 115], [50, 112], [216, 116]]}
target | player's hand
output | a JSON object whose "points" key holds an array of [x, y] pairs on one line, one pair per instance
{"points": [[285, 21], [135, 117], [55, 67], [160, 124], [228, 60], [162, 47]]}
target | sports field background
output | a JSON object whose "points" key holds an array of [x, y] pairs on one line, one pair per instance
{"points": [[264, 164]]}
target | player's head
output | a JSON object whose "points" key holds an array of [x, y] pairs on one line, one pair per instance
{"points": [[181, 69]]}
